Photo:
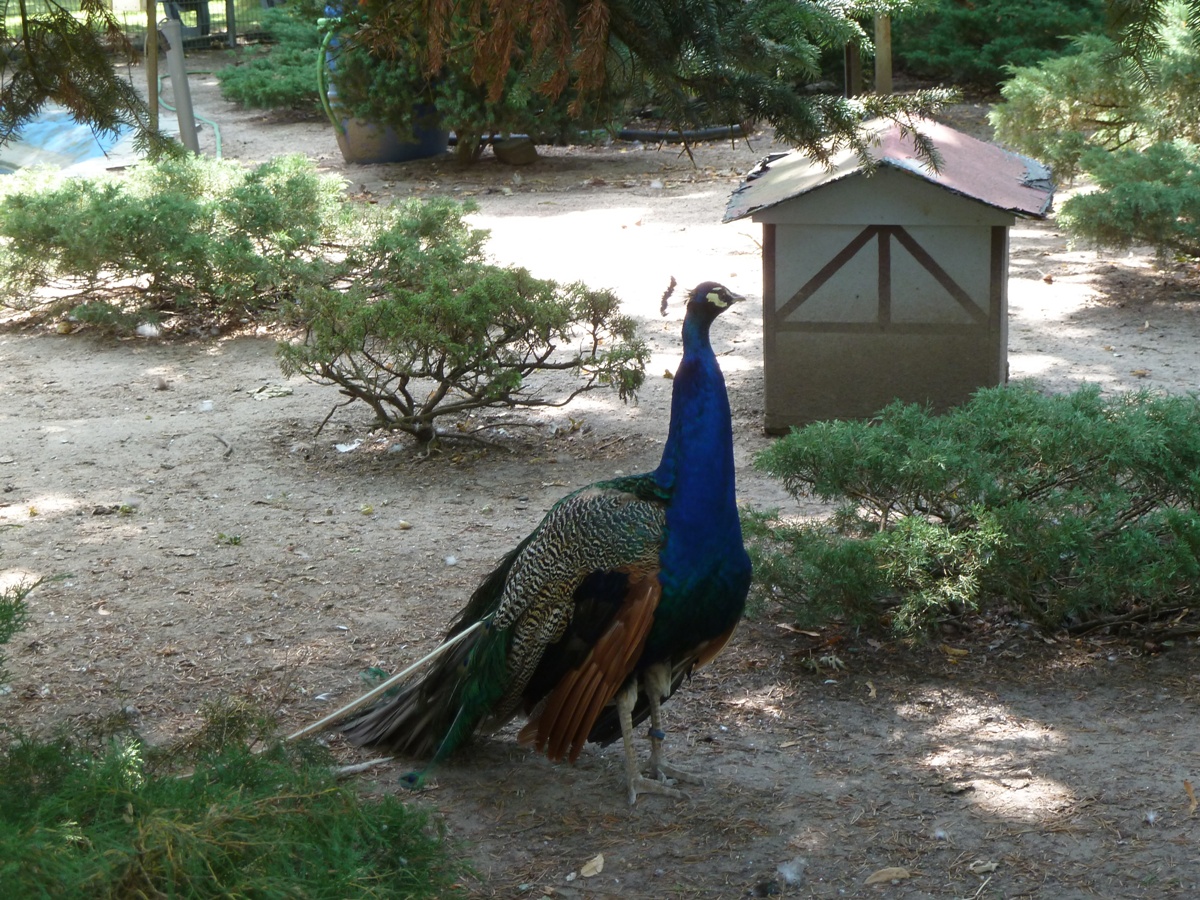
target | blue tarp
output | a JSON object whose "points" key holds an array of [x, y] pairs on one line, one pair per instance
{"points": [[55, 139]]}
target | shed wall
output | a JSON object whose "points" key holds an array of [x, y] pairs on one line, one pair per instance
{"points": [[856, 317]]}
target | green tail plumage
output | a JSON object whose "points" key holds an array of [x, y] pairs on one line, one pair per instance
{"points": [[435, 715], [525, 604]]}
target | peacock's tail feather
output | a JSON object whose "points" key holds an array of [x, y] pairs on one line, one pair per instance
{"points": [[434, 715]]}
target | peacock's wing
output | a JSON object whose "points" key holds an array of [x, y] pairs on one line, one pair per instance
{"points": [[549, 603], [606, 727], [588, 555], [580, 674]]}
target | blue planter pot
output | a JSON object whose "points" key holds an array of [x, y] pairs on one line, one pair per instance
{"points": [[367, 142]]}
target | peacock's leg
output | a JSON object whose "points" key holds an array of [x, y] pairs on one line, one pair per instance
{"points": [[638, 783], [657, 683]]}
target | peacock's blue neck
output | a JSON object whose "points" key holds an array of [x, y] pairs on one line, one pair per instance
{"points": [[697, 462], [704, 570]]}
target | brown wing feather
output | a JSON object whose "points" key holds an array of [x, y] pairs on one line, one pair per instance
{"points": [[709, 650], [561, 724]]}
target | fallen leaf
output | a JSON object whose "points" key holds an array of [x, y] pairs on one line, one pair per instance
{"points": [[954, 651], [1140, 373], [983, 866], [891, 873], [1191, 792], [1049, 279], [787, 744], [593, 866], [870, 691]]}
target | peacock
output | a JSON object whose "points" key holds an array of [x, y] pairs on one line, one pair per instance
{"points": [[624, 589]]}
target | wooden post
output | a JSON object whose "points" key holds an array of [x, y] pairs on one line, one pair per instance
{"points": [[883, 54], [152, 61], [853, 71]]}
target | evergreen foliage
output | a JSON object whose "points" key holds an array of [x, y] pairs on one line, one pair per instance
{"points": [[400, 307], [697, 62], [1136, 131], [57, 57], [1063, 509], [974, 42], [282, 74], [428, 328], [14, 615], [191, 237], [1090, 98], [213, 818], [1150, 197], [393, 85], [550, 68], [1137, 25]]}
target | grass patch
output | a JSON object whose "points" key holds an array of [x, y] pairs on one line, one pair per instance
{"points": [[212, 818]]}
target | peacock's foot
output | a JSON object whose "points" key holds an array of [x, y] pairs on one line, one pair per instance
{"points": [[662, 772], [640, 784], [659, 768]]}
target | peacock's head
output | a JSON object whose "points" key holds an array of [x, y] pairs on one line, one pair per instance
{"points": [[717, 298], [710, 299], [706, 301]]}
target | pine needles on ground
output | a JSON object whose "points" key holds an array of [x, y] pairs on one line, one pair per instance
{"points": [[1065, 510]]}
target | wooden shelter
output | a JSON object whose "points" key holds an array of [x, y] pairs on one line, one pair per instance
{"points": [[888, 285]]}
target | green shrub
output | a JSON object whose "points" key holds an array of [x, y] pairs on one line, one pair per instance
{"points": [[1090, 98], [400, 308], [283, 74], [1136, 135], [1149, 196], [212, 819], [14, 615], [1056, 110], [193, 236], [392, 85], [973, 42], [427, 328], [1063, 509]]}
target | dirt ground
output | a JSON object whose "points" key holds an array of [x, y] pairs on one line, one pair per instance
{"points": [[212, 546]]}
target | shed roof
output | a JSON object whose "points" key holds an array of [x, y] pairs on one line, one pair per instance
{"points": [[969, 167]]}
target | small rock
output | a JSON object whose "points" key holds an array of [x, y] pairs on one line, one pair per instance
{"points": [[515, 151]]}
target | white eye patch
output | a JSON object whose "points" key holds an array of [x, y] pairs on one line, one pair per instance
{"points": [[716, 298]]}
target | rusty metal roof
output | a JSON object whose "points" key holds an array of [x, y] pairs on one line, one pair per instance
{"points": [[972, 168]]}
